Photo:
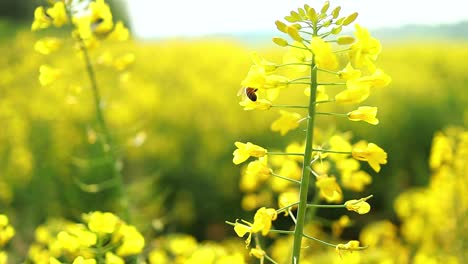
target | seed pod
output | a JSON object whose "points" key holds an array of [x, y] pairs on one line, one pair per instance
{"points": [[280, 41], [350, 19]]}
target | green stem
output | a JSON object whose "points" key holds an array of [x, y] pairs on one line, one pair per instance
{"points": [[330, 113], [332, 83], [327, 71], [270, 259], [326, 205], [285, 153], [291, 106], [106, 137], [301, 211], [285, 178], [332, 151]]}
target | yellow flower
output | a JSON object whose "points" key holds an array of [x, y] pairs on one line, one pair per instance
{"points": [[41, 19], [101, 17], [349, 73], [52, 260], [58, 14], [288, 198], [321, 93], [262, 220], [132, 241], [47, 45], [100, 222], [262, 223], [441, 151], [260, 104], [353, 95], [365, 50], [351, 245], [258, 78], [122, 62], [259, 168], [378, 79], [258, 253], [364, 113], [371, 153], [120, 32], [355, 181], [324, 56], [242, 229], [339, 143], [158, 256], [359, 206], [269, 66], [339, 225], [68, 242], [255, 173], [329, 189], [81, 260], [286, 122], [48, 75], [298, 56], [111, 258], [7, 232], [246, 150]]}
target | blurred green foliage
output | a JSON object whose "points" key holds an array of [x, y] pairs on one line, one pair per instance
{"points": [[175, 116]]}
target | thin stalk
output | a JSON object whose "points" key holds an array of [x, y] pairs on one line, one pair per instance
{"points": [[285, 178], [106, 136], [291, 106], [301, 211], [285, 153], [332, 151], [330, 113]]}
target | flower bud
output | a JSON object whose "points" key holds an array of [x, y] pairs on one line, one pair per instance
{"points": [[280, 42], [350, 19], [336, 12], [312, 15], [293, 32], [336, 30], [281, 26], [345, 40], [293, 17], [325, 7]]}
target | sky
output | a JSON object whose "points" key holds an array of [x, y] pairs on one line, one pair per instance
{"points": [[157, 18]]}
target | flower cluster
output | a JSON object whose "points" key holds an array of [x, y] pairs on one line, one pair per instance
{"points": [[91, 25], [6, 234], [183, 248], [101, 238], [315, 51], [434, 217]]}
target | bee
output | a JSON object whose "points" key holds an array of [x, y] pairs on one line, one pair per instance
{"points": [[249, 92]]}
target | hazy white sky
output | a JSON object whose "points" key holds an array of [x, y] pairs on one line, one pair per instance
{"points": [[158, 18]]}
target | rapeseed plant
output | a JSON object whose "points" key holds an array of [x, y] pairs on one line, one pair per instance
{"points": [[316, 50], [89, 26]]}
